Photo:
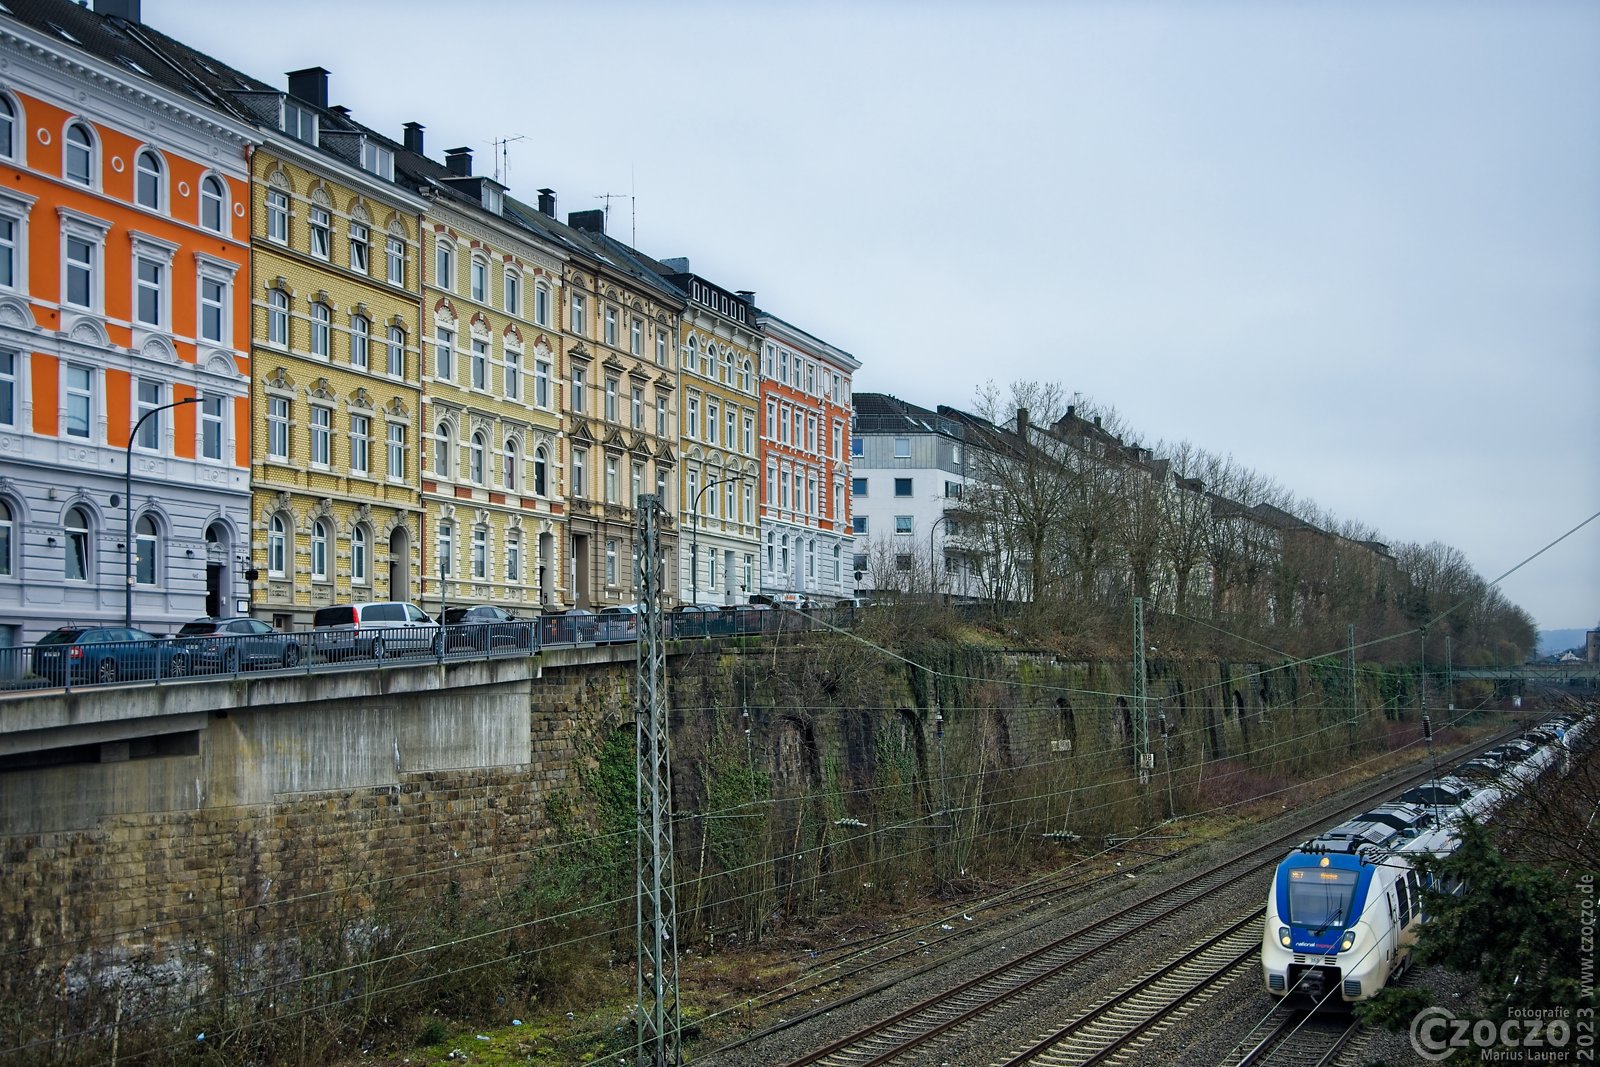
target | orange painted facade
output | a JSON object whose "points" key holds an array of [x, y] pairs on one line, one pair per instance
{"points": [[124, 294]]}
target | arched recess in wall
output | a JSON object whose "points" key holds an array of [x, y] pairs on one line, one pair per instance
{"points": [[1068, 724]]}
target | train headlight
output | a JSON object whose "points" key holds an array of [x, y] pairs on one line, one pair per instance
{"points": [[1347, 942], [1283, 936]]}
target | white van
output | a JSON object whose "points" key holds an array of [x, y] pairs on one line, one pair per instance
{"points": [[374, 631]]}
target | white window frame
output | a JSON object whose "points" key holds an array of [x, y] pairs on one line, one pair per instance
{"points": [[394, 250], [155, 176], [578, 315], [396, 438], [541, 303], [212, 419], [278, 318], [142, 406], [396, 351], [11, 384], [611, 327], [214, 196], [90, 153], [478, 459], [512, 376], [360, 247], [321, 342], [360, 444], [158, 254], [444, 263], [478, 279], [280, 420], [278, 209], [444, 358], [360, 341], [480, 553], [320, 229], [319, 550], [15, 208], [88, 393], [11, 124], [480, 364], [278, 535], [358, 554], [321, 426], [541, 382], [76, 226], [511, 291]]}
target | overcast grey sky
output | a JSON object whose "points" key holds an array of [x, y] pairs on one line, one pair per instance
{"points": [[1356, 245]]}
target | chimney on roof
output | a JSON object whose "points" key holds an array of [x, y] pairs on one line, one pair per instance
{"points": [[748, 296], [459, 162], [310, 85], [547, 202], [589, 221], [340, 110], [1022, 422], [677, 265], [412, 137], [126, 10], [1097, 422]]}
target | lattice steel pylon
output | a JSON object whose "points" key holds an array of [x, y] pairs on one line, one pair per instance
{"points": [[1143, 758], [656, 927]]}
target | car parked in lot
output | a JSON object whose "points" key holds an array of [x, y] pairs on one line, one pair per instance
{"points": [[231, 644], [79, 655], [485, 627], [383, 629]]}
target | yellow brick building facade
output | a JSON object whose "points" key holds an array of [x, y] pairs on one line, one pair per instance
{"points": [[718, 353], [622, 413], [336, 509], [494, 360]]}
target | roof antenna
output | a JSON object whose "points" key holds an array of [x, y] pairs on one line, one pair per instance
{"points": [[501, 163]]}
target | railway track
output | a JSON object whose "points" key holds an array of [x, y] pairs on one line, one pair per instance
{"points": [[1115, 1029], [941, 1017], [1300, 1040]]}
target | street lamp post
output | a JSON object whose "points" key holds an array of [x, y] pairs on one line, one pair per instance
{"points": [[933, 570], [127, 504], [694, 550]]}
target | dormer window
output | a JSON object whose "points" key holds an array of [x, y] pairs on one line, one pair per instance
{"points": [[493, 198], [377, 159], [299, 122]]}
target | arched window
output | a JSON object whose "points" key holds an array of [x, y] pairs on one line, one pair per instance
{"points": [[745, 376], [147, 550], [8, 129], [514, 557], [147, 180], [397, 352], [478, 459], [213, 203], [360, 332], [319, 551], [277, 546], [441, 450], [358, 555], [79, 160], [541, 473], [446, 547], [509, 463], [7, 565], [541, 303], [278, 318], [692, 362], [77, 530], [479, 279], [321, 330]]}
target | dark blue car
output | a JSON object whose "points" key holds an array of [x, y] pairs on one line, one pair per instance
{"points": [[85, 655]]}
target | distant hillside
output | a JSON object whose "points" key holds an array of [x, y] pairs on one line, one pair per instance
{"points": [[1559, 641]]}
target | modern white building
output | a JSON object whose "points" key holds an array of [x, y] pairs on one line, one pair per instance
{"points": [[908, 475]]}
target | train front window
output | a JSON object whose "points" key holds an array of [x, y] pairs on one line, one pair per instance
{"points": [[1320, 897]]}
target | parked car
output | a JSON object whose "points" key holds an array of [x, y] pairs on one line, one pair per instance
{"points": [[78, 655], [485, 627], [377, 630], [229, 644]]}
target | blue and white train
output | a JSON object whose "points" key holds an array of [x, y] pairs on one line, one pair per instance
{"points": [[1344, 908]]}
